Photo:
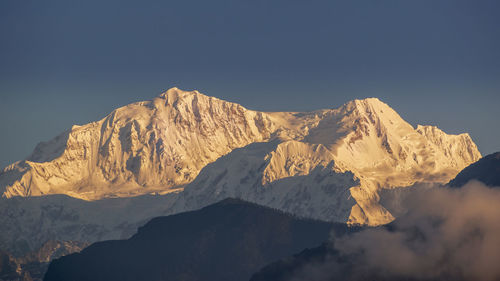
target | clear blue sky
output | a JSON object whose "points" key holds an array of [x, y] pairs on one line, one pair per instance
{"points": [[72, 62]]}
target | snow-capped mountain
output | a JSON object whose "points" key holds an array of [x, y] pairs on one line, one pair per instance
{"points": [[158, 145], [195, 150], [330, 164]]}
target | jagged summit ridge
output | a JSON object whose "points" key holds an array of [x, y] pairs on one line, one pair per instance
{"points": [[138, 148], [175, 93], [323, 151], [327, 164]]}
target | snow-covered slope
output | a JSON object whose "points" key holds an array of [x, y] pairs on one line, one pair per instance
{"points": [[327, 164], [28, 222], [331, 164], [157, 145]]}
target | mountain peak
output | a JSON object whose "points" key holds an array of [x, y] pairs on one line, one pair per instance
{"points": [[370, 100], [367, 104], [360, 114], [176, 93], [139, 148]]}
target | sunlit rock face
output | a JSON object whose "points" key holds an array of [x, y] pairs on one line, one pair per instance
{"points": [[326, 164], [143, 147], [331, 164]]}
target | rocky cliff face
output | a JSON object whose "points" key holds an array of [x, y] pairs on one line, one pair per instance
{"points": [[327, 164], [331, 164], [157, 145]]}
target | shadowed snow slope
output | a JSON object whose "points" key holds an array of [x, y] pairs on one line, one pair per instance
{"points": [[27, 223], [327, 164]]}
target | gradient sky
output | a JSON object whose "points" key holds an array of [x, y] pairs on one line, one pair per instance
{"points": [[72, 62]]}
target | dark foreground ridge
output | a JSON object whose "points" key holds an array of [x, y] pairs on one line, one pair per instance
{"points": [[323, 263], [286, 269], [229, 240], [485, 170]]}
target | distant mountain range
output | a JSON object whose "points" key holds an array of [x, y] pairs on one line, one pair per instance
{"points": [[184, 150]]}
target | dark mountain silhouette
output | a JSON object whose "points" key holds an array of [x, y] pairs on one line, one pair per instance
{"points": [[229, 240], [287, 268], [322, 263], [486, 170]]}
